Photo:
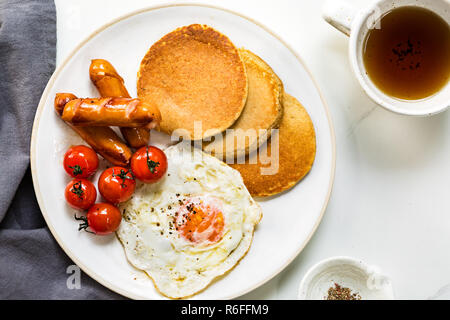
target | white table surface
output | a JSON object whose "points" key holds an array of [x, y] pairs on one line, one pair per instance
{"points": [[390, 204]]}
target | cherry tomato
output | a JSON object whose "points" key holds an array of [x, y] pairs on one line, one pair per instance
{"points": [[80, 161], [80, 194], [116, 184], [149, 164], [102, 218]]}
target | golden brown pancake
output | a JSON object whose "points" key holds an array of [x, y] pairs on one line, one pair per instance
{"points": [[297, 150], [194, 74], [262, 112]]}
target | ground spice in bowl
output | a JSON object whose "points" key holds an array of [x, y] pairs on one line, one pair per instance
{"points": [[341, 293]]}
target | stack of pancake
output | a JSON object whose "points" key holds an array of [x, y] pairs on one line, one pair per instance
{"points": [[207, 89]]}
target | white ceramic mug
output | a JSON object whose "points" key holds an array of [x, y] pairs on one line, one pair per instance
{"points": [[356, 24]]}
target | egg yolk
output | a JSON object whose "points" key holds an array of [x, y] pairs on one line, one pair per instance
{"points": [[200, 221]]}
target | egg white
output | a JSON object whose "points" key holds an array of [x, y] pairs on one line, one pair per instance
{"points": [[178, 267]]}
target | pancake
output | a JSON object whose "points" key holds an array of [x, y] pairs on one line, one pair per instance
{"points": [[196, 78], [262, 112], [297, 150]]}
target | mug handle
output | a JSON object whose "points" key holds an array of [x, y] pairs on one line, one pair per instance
{"points": [[339, 14]]}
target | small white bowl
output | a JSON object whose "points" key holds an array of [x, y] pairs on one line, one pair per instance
{"points": [[365, 280]]}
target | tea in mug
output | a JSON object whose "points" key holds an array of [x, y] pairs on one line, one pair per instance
{"points": [[408, 57]]}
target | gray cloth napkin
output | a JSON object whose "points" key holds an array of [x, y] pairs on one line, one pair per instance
{"points": [[32, 265]]}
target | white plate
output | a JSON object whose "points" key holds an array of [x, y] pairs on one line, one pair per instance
{"points": [[289, 219]]}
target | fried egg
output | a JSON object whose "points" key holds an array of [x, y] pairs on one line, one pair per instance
{"points": [[192, 226]]}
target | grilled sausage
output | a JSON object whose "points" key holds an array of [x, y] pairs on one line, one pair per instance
{"points": [[102, 139], [110, 84], [61, 99], [100, 112]]}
